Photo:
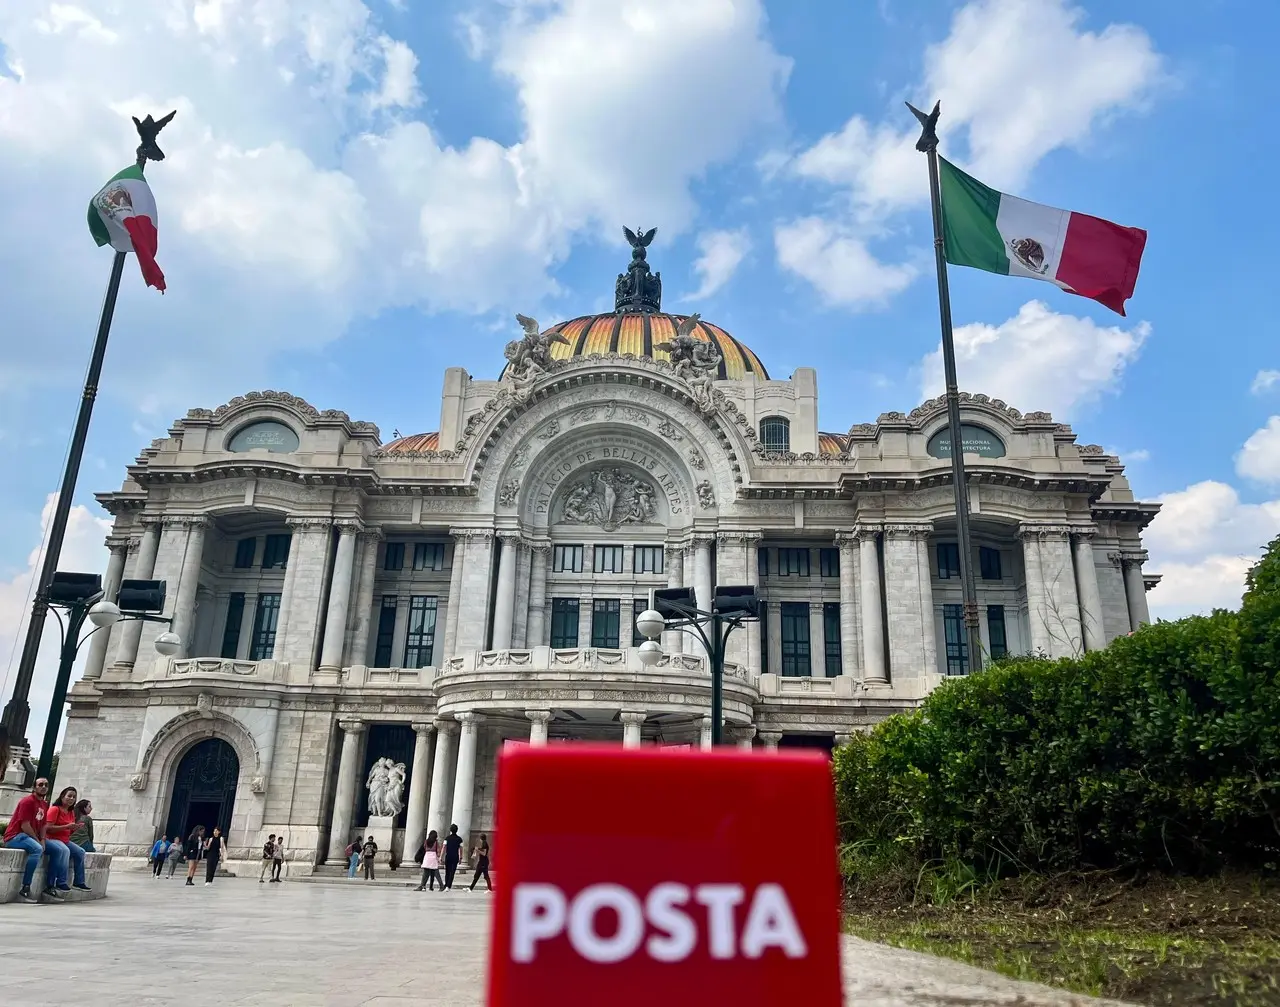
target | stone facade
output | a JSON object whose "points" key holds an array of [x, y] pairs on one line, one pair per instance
{"points": [[340, 599]]}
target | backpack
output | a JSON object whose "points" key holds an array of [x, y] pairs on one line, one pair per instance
{"points": [[422, 852], [351, 848]]}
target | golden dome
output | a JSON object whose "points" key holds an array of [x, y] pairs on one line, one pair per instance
{"points": [[413, 444]]}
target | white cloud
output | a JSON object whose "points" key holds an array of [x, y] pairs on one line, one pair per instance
{"points": [[1039, 359], [83, 552], [399, 81], [838, 264], [1264, 381], [1259, 459], [720, 254]]}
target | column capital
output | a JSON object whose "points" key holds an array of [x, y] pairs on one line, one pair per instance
{"points": [[349, 525], [510, 535], [305, 523], [447, 726], [843, 739], [352, 726], [192, 521], [120, 543], [470, 717], [909, 530], [741, 537], [846, 540], [702, 538], [770, 738], [816, 607], [632, 717], [1134, 557], [673, 550], [1084, 531], [421, 728], [540, 548], [742, 732], [1028, 529], [472, 534], [867, 530], [539, 716]]}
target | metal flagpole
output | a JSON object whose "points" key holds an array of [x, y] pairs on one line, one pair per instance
{"points": [[17, 710], [928, 145]]}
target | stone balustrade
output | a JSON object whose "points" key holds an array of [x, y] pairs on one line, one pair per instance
{"points": [[97, 867], [585, 658], [270, 671]]}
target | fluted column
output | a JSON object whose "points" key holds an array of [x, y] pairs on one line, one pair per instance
{"points": [[849, 657], [144, 569], [504, 608], [536, 634], [464, 787], [457, 557], [702, 579], [1135, 588], [873, 663], [770, 740], [540, 721], [184, 607], [441, 777], [335, 623], [364, 597], [632, 725], [110, 587], [673, 639], [415, 826], [927, 613], [1095, 634], [344, 800]]}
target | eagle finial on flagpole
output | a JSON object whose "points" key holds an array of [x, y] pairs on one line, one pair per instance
{"points": [[148, 130], [928, 127]]}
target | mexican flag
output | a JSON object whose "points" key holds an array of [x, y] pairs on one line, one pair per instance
{"points": [[1000, 233], [123, 215]]}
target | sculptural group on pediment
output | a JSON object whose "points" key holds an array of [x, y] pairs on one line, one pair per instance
{"points": [[610, 498]]}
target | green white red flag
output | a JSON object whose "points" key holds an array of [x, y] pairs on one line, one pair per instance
{"points": [[991, 230], [123, 215]]}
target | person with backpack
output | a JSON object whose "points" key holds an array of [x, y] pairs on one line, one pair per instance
{"points": [[431, 862], [159, 851], [353, 856], [367, 854]]}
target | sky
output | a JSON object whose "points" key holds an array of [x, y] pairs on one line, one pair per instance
{"points": [[358, 195]]}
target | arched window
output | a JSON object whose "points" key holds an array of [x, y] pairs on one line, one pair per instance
{"points": [[775, 433]]}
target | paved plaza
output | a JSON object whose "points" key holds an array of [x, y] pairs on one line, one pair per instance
{"points": [[344, 944]]}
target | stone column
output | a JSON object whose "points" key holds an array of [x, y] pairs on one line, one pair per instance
{"points": [[438, 806], [364, 610], [344, 801], [926, 607], [110, 587], [541, 720], [457, 558], [849, 656], [415, 826], [743, 736], [1095, 634], [537, 634], [702, 580], [335, 623], [144, 568], [753, 541], [907, 593], [464, 787], [773, 612], [817, 641], [632, 724], [704, 735], [1062, 608], [873, 663], [1135, 589], [474, 592], [184, 606], [843, 739], [673, 640], [1040, 639], [770, 740], [504, 607]]}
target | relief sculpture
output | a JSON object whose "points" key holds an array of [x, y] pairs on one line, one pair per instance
{"points": [[610, 498]]}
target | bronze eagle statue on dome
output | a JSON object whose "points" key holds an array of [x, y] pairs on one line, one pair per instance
{"points": [[640, 240]]}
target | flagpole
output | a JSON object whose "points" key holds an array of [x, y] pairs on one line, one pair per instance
{"points": [[18, 710], [928, 145]]}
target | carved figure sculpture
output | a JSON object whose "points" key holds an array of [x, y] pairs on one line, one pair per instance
{"points": [[386, 788], [610, 498], [529, 356]]}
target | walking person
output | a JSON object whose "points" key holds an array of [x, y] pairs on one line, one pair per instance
{"points": [[212, 854], [367, 853], [25, 831], [452, 853], [194, 851], [353, 856], [159, 850], [58, 823], [431, 862], [268, 854], [82, 834], [481, 857], [175, 854], [277, 860]]}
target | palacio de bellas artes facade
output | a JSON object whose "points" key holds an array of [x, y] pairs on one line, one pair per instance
{"points": [[342, 600]]}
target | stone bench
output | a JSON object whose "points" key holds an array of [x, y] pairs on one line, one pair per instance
{"points": [[97, 867]]}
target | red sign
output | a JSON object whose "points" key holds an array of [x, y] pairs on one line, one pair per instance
{"points": [[657, 877]]}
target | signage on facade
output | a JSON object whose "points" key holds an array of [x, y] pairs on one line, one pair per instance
{"points": [[612, 453], [265, 436], [650, 893], [976, 440]]}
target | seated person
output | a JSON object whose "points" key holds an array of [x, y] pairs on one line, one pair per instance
{"points": [[26, 832], [58, 823]]}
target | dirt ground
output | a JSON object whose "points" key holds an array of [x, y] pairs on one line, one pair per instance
{"points": [[1146, 940]]}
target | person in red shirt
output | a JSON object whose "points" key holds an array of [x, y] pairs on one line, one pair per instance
{"points": [[58, 823], [26, 831]]}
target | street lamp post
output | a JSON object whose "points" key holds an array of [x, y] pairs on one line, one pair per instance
{"points": [[80, 595], [677, 608]]}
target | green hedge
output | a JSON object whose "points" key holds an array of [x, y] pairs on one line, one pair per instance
{"points": [[1162, 751]]}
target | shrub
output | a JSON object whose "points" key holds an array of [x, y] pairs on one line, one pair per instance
{"points": [[1162, 751]]}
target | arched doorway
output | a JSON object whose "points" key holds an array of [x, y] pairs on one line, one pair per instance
{"points": [[204, 788]]}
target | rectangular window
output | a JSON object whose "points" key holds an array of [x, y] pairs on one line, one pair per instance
{"points": [[609, 558], [831, 636], [235, 619], [948, 560], [989, 561], [647, 559], [638, 605], [265, 615], [386, 631], [957, 644], [420, 641], [793, 562], [566, 559], [564, 621], [246, 549], [829, 562], [795, 639], [995, 629], [275, 551], [762, 562], [428, 555], [393, 558], [605, 616]]}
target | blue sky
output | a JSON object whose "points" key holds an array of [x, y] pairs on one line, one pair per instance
{"points": [[359, 195]]}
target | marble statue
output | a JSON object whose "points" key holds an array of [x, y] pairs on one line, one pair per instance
{"points": [[610, 498], [386, 788]]}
